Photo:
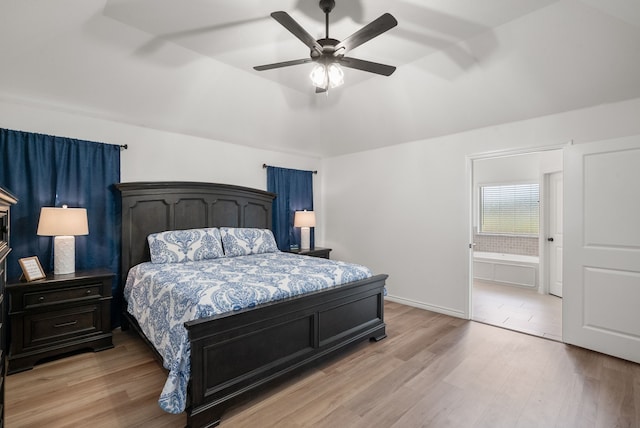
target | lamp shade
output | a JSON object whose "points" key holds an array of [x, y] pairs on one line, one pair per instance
{"points": [[304, 219], [63, 221]]}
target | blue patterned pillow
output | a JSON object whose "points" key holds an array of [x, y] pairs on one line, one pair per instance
{"points": [[245, 241], [177, 246]]}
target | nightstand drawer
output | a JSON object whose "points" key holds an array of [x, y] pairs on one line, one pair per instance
{"points": [[56, 326], [63, 295]]}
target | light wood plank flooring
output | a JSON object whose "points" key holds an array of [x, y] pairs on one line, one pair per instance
{"points": [[431, 371], [518, 309]]}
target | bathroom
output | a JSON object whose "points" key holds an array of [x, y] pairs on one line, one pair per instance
{"points": [[515, 258]]}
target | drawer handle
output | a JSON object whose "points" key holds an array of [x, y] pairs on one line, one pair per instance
{"points": [[41, 299], [88, 291], [65, 324]]}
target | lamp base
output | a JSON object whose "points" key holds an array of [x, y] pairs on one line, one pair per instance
{"points": [[305, 240], [64, 255]]}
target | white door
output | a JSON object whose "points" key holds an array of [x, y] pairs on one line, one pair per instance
{"points": [[601, 305], [554, 238]]}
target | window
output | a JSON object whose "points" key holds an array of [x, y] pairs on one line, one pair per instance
{"points": [[511, 209]]}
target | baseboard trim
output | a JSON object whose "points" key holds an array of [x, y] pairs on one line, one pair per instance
{"points": [[433, 308]]}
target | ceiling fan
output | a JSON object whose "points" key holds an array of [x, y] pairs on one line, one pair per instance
{"points": [[328, 53]]}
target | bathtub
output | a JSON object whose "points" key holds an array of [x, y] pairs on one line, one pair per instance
{"points": [[512, 269]]}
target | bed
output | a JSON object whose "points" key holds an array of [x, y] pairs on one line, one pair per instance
{"points": [[317, 325]]}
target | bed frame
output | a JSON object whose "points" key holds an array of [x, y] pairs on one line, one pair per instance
{"points": [[234, 356]]}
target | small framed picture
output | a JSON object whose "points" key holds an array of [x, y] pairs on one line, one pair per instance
{"points": [[31, 268]]}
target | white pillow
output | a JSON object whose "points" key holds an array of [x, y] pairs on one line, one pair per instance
{"points": [[177, 246], [246, 241]]}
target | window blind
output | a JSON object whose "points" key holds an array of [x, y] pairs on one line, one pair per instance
{"points": [[511, 209]]}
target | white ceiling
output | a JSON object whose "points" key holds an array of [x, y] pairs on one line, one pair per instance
{"points": [[186, 66]]}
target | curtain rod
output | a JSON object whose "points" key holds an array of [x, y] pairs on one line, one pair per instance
{"points": [[124, 147], [264, 165]]}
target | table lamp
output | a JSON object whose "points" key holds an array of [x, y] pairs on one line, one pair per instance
{"points": [[64, 224], [304, 220]]}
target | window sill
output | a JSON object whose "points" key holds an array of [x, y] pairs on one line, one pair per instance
{"points": [[511, 235]]}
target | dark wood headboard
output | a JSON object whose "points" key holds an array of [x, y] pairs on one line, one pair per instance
{"points": [[150, 207]]}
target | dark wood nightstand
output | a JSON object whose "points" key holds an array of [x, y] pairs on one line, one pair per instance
{"points": [[314, 252], [59, 314]]}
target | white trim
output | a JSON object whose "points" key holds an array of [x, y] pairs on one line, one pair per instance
{"points": [[514, 152], [439, 309], [470, 218]]}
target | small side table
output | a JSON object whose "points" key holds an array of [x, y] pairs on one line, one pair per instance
{"points": [[59, 314], [314, 252]]}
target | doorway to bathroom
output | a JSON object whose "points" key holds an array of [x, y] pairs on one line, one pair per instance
{"points": [[517, 242]]}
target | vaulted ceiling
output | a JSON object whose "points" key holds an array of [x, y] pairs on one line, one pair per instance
{"points": [[186, 66]]}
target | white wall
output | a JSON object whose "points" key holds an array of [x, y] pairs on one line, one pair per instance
{"points": [[156, 155], [521, 168], [404, 210]]}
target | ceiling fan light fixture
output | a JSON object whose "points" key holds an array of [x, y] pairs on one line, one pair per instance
{"points": [[319, 76], [336, 75], [327, 76]]}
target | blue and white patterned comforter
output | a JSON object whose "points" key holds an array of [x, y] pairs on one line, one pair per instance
{"points": [[162, 297]]}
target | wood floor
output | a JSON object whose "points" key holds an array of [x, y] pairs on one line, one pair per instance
{"points": [[431, 371], [518, 309]]}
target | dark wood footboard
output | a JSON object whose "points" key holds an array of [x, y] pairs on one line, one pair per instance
{"points": [[237, 354]]}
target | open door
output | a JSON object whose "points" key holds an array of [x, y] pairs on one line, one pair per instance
{"points": [[601, 282], [555, 234]]}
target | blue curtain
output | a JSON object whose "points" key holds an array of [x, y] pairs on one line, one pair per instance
{"points": [[47, 171], [294, 190]]}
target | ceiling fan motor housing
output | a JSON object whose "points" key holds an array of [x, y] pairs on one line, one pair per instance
{"points": [[328, 48]]}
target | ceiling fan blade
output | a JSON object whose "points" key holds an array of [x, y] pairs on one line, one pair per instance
{"points": [[371, 67], [366, 33], [282, 64], [296, 29]]}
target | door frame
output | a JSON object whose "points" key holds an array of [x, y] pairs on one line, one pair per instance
{"points": [[469, 160]]}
